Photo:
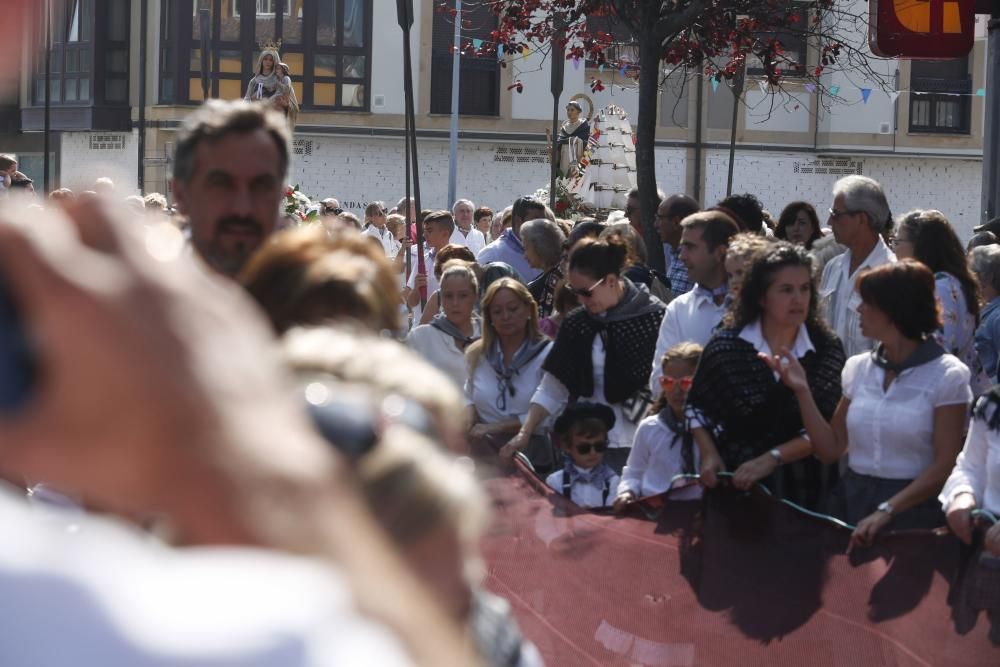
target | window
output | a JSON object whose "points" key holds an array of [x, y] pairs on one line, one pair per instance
{"points": [[479, 77], [623, 47], [71, 78], [940, 101], [794, 45], [325, 43]]}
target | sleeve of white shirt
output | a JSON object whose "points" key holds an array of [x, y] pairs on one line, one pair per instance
{"points": [[638, 460], [953, 387], [551, 395], [555, 480], [969, 474], [669, 336], [849, 375], [615, 483]]}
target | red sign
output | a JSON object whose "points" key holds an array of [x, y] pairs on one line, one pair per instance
{"points": [[922, 28]]}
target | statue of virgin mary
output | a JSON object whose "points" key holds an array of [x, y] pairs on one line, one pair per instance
{"points": [[272, 83], [572, 141]]}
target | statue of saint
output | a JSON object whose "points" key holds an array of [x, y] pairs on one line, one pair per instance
{"points": [[572, 142], [272, 83]]}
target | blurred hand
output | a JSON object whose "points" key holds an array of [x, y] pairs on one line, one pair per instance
{"points": [[420, 281], [513, 446], [622, 501], [753, 471], [480, 430], [710, 465], [788, 368], [866, 530], [960, 516]]}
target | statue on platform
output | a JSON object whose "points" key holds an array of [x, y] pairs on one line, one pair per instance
{"points": [[572, 141], [271, 83]]}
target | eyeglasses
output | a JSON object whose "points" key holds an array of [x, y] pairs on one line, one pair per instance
{"points": [[587, 292], [684, 382], [834, 213], [599, 448]]}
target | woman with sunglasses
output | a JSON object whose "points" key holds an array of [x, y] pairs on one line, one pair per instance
{"points": [[743, 418], [604, 350], [505, 368]]}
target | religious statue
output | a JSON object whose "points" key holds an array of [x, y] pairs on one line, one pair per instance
{"points": [[572, 142], [272, 83]]}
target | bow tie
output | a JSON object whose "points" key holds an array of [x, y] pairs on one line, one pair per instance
{"points": [[721, 290], [598, 474]]}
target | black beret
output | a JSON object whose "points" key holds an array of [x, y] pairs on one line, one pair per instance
{"points": [[580, 411]]}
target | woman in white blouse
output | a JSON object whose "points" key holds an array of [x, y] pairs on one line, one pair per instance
{"points": [[903, 412], [443, 342], [929, 238], [975, 481], [505, 368]]}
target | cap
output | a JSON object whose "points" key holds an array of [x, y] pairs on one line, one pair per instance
{"points": [[581, 410]]}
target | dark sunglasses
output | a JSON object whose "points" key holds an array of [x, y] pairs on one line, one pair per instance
{"points": [[585, 449], [586, 292]]}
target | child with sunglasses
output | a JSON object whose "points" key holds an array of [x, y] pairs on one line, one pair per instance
{"points": [[585, 478], [663, 445]]}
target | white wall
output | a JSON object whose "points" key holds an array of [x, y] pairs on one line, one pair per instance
{"points": [[81, 165], [387, 57]]}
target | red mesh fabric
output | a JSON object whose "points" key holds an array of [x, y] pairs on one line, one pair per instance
{"points": [[735, 579]]}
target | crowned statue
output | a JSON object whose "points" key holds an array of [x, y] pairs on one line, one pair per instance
{"points": [[272, 83]]}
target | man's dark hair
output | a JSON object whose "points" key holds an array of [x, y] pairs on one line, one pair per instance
{"points": [[217, 119], [443, 219], [748, 210], [524, 204], [682, 206], [717, 227]]}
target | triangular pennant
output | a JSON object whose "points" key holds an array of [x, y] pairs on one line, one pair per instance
{"points": [[715, 84], [810, 87], [601, 68], [981, 92], [835, 90], [763, 87], [865, 93], [893, 96], [525, 51], [477, 44], [499, 51]]}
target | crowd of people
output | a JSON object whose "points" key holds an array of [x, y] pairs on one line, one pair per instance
{"points": [[848, 368]]}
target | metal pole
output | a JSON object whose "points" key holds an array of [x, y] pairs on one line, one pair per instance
{"points": [[737, 94], [404, 9], [558, 64], [991, 139], [205, 20], [456, 67], [698, 138], [143, 55], [48, 86], [408, 222]]}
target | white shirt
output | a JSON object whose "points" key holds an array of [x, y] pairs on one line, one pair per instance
{"points": [[754, 334], [977, 470], [554, 397], [482, 390], [584, 495], [432, 281], [654, 461], [474, 240], [103, 594], [889, 433], [440, 350], [389, 243], [691, 317], [840, 300]]}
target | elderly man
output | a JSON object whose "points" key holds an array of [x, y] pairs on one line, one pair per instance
{"points": [[859, 215], [229, 172], [509, 247], [985, 262], [465, 234]]}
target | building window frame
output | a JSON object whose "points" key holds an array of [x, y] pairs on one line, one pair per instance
{"points": [[935, 99], [482, 102], [347, 87]]}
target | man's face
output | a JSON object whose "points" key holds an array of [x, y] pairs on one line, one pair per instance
{"points": [[437, 236], [844, 223], [668, 226], [633, 212], [704, 266], [463, 216], [233, 197]]}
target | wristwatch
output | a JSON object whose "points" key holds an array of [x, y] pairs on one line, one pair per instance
{"points": [[776, 454], [885, 507]]}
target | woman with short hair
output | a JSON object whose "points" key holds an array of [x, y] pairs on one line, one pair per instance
{"points": [[543, 249], [904, 408], [505, 368]]}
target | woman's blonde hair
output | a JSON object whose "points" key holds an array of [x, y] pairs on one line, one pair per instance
{"points": [[475, 352], [744, 246], [458, 267]]}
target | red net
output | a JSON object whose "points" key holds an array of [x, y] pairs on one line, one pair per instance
{"points": [[735, 579]]}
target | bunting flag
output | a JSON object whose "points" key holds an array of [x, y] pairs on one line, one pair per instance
{"points": [[499, 51], [865, 93], [477, 44], [601, 68], [835, 90], [715, 84], [810, 87], [763, 87], [893, 96], [525, 51], [981, 92]]}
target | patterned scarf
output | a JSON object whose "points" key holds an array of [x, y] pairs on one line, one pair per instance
{"points": [[722, 290], [442, 323], [547, 303], [681, 432], [524, 356]]}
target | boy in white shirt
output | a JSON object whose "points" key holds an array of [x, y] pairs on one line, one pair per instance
{"points": [[583, 434]]}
